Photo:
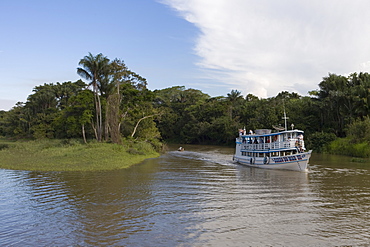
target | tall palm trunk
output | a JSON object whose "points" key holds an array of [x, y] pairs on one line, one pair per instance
{"points": [[98, 109], [83, 133]]}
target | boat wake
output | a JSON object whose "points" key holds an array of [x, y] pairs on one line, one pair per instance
{"points": [[207, 156]]}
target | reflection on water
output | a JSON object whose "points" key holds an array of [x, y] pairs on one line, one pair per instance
{"points": [[192, 198]]}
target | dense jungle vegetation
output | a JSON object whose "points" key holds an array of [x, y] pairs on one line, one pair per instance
{"points": [[115, 105]]}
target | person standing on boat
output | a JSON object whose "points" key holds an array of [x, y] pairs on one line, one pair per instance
{"points": [[261, 140], [300, 143], [241, 132]]}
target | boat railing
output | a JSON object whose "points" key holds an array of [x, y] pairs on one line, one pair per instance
{"points": [[268, 146]]}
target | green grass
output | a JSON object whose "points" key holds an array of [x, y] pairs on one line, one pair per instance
{"points": [[344, 146], [65, 155]]}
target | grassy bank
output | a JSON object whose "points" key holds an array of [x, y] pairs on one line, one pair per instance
{"points": [[344, 146], [64, 155]]}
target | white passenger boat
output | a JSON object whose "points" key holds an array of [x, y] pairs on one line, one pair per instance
{"points": [[272, 150]]}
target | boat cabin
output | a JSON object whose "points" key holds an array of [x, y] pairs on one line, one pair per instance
{"points": [[263, 143]]}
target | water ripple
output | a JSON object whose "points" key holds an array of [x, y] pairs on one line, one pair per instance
{"points": [[191, 198]]}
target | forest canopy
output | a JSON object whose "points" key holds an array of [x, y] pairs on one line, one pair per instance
{"points": [[114, 103]]}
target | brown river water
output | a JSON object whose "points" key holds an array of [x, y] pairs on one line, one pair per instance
{"points": [[198, 197]]}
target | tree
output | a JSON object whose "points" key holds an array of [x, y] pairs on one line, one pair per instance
{"points": [[16, 122], [236, 99], [119, 86], [96, 69], [137, 107], [339, 97], [361, 94], [176, 105], [76, 116], [359, 130]]}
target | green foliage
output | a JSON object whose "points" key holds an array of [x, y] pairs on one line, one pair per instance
{"points": [[323, 116], [113, 108], [119, 107], [180, 108], [341, 100], [36, 118], [15, 123], [77, 113], [357, 141], [344, 146], [318, 141], [359, 131]]}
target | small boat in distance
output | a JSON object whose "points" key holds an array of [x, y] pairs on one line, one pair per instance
{"points": [[272, 150]]}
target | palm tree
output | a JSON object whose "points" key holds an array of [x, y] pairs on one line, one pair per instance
{"points": [[235, 98], [95, 69]]}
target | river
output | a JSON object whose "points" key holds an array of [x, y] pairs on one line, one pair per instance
{"points": [[193, 198]]}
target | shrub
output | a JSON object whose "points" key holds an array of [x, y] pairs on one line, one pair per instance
{"points": [[359, 131], [134, 151], [361, 150], [319, 140], [344, 146]]}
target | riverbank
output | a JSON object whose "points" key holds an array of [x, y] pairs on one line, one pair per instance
{"points": [[70, 155], [345, 146]]}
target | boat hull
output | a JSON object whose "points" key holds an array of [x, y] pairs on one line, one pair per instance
{"points": [[297, 162]]}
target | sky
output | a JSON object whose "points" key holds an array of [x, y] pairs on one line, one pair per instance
{"points": [[261, 47]]}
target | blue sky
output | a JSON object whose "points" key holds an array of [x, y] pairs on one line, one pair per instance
{"points": [[260, 47], [43, 41]]}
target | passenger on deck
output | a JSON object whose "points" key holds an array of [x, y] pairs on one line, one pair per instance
{"points": [[241, 132]]}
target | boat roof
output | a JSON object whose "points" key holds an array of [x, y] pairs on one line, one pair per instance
{"points": [[274, 133]]}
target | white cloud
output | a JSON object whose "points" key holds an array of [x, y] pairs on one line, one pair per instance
{"points": [[266, 46], [6, 104], [365, 65]]}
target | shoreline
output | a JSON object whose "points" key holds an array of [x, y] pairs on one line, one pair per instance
{"points": [[54, 155]]}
